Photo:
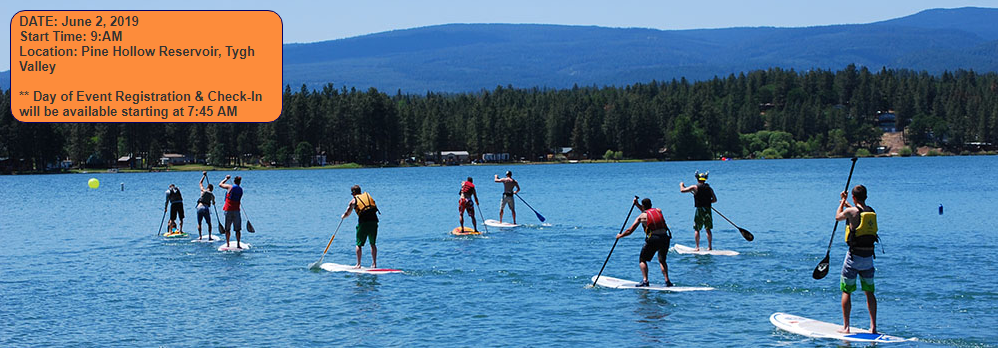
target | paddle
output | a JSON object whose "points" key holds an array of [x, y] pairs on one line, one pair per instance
{"points": [[628, 218], [161, 221], [539, 216], [315, 265], [221, 229], [249, 225], [822, 269], [482, 215], [745, 233]]}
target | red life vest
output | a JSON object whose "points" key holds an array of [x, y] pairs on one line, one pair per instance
{"points": [[466, 187], [654, 220]]}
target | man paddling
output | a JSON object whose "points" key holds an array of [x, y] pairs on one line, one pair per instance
{"points": [[703, 197], [657, 238], [861, 234], [206, 200], [465, 203], [231, 208], [507, 194], [367, 222], [175, 202]]}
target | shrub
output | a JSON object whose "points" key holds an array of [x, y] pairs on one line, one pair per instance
{"points": [[771, 153], [863, 153], [905, 151], [608, 155]]}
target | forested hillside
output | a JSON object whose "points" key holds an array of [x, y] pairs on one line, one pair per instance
{"points": [[772, 113]]}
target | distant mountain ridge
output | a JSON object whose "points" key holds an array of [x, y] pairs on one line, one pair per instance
{"points": [[471, 57]]}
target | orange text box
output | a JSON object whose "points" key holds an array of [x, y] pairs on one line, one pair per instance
{"points": [[146, 66]]}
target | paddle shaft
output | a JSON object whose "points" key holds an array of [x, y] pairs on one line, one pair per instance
{"points": [[221, 228], [213, 206], [249, 226], [628, 218], [539, 216], [482, 215], [331, 239], [821, 270], [725, 217], [745, 233], [848, 180], [161, 221]]}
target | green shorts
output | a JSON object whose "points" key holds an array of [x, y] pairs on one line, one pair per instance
{"points": [[367, 230], [703, 218], [854, 266]]}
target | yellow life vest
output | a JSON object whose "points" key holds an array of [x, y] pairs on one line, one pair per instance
{"points": [[364, 203], [867, 226], [861, 240]]}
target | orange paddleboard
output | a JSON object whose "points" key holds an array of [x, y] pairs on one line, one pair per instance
{"points": [[467, 231]]}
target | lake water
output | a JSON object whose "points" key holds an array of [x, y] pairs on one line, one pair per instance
{"points": [[85, 267]]}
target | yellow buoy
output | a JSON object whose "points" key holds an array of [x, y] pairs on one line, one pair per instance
{"points": [[93, 183]]}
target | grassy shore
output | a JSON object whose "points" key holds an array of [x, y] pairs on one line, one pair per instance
{"points": [[202, 167]]}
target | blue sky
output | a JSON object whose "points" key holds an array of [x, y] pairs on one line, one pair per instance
{"points": [[309, 21]]}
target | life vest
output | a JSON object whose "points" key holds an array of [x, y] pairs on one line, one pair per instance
{"points": [[861, 239], [466, 188], [365, 203], [654, 221], [206, 198], [173, 195], [232, 198], [703, 196]]}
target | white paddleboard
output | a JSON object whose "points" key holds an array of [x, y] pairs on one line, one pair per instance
{"points": [[616, 283], [682, 249], [496, 223], [335, 267], [204, 239], [820, 329], [232, 246]]}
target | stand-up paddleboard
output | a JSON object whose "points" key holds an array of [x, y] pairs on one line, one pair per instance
{"points": [[820, 329], [467, 231], [682, 249], [232, 246], [496, 223], [204, 239], [176, 235], [616, 283], [335, 267]]}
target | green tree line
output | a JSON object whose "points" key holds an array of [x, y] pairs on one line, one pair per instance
{"points": [[770, 113]]}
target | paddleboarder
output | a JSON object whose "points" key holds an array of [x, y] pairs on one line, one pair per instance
{"points": [[175, 202], [703, 197], [507, 194], [861, 234], [233, 198], [367, 222], [657, 238], [206, 200], [465, 203]]}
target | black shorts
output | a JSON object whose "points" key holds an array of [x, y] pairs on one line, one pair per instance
{"points": [[655, 243], [176, 209]]}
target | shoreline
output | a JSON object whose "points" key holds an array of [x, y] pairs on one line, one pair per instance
{"points": [[352, 165]]}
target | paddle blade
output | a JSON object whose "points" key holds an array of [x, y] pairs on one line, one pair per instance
{"points": [[221, 229], [539, 216], [822, 270], [745, 233], [315, 265], [249, 227]]}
